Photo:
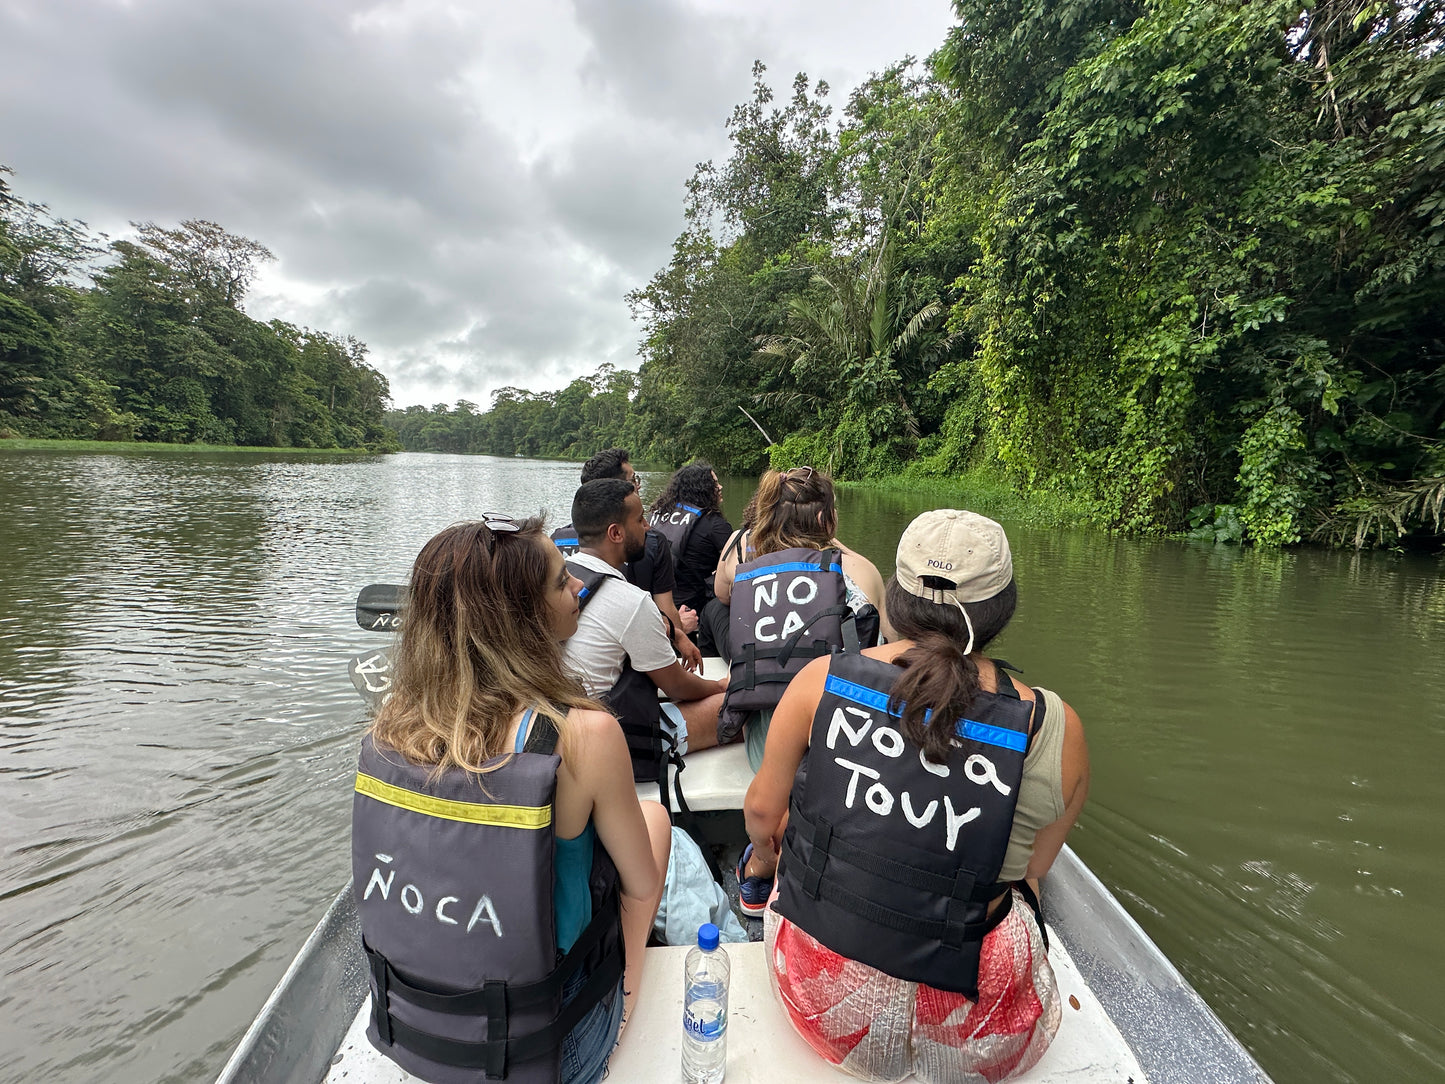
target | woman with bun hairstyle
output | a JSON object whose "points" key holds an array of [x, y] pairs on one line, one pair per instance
{"points": [[917, 793], [496, 834]]}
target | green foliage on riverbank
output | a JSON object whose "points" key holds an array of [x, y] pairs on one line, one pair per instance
{"points": [[31, 444], [145, 340], [1181, 264]]}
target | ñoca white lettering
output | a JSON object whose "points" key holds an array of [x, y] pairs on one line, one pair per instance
{"points": [[413, 908], [377, 882], [985, 773], [765, 591], [887, 736], [442, 915], [810, 590], [840, 722], [761, 636], [791, 624], [484, 908]]}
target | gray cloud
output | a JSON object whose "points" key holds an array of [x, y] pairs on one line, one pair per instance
{"points": [[470, 189]]}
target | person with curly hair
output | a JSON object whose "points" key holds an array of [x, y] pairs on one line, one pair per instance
{"points": [[688, 513]]}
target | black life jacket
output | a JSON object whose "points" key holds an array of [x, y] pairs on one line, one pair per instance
{"points": [[787, 609], [677, 526], [633, 699], [453, 885], [891, 860], [566, 540]]}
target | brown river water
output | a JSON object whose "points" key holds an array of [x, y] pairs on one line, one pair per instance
{"points": [[178, 733]]}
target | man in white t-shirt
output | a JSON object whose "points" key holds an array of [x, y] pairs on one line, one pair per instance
{"points": [[621, 622]]}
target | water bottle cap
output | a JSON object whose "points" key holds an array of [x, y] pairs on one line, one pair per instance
{"points": [[707, 937]]}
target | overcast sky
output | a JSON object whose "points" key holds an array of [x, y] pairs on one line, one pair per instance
{"points": [[470, 188]]}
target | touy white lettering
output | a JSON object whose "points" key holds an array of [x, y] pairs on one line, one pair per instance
{"points": [[957, 820], [484, 911], [857, 770], [916, 819], [840, 722], [888, 741], [442, 915], [412, 908], [980, 770], [879, 799]]}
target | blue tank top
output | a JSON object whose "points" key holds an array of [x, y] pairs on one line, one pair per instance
{"points": [[571, 871]]}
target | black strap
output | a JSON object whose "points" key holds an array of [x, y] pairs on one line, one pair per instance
{"points": [[737, 544], [1036, 905], [943, 931], [543, 736], [1004, 664], [497, 1001], [886, 868], [787, 647], [682, 815], [1036, 720]]}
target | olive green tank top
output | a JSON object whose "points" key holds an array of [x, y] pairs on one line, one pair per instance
{"points": [[1041, 794]]}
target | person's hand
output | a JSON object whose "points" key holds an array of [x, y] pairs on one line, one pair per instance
{"points": [[691, 656], [688, 617]]}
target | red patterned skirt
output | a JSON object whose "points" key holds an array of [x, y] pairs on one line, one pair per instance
{"points": [[880, 1028]]}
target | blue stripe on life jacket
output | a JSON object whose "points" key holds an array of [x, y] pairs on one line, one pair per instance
{"points": [[795, 566], [560, 542], [983, 733], [689, 508]]}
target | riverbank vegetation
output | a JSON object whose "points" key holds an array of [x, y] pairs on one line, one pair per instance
{"points": [[1179, 261], [45, 444], [145, 340]]}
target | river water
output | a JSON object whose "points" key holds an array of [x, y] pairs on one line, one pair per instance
{"points": [[177, 737]]}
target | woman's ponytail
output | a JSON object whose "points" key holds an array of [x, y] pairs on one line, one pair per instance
{"points": [[935, 690]]}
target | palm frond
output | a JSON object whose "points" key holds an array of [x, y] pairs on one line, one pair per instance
{"points": [[1387, 515]]}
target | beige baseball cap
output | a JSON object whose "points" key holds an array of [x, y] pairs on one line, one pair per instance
{"points": [[950, 546]]}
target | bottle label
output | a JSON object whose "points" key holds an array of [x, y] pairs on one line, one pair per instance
{"points": [[707, 1025]]}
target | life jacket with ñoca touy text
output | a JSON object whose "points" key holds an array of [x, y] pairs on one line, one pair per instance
{"points": [[452, 875], [888, 858]]}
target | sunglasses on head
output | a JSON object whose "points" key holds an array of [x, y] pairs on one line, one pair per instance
{"points": [[497, 523], [795, 474]]}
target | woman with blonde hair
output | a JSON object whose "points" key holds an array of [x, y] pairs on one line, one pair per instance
{"points": [[505, 874]]}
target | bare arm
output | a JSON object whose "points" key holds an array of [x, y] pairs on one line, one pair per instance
{"points": [[602, 767], [1050, 838], [679, 685], [691, 656], [722, 579], [766, 806]]}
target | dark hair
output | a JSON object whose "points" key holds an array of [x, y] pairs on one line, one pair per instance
{"points": [[605, 464], [598, 505], [937, 675], [692, 485], [794, 508]]}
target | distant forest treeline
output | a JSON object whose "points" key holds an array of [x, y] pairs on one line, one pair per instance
{"points": [[155, 346], [1180, 260]]}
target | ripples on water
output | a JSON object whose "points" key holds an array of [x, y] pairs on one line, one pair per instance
{"points": [[177, 736]]}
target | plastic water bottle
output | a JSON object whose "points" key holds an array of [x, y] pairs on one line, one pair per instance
{"points": [[705, 1010]]}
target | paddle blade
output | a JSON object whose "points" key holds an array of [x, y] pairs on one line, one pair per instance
{"points": [[371, 674], [379, 607]]}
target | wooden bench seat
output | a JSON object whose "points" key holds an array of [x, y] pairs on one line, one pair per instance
{"points": [[712, 779], [763, 1047]]}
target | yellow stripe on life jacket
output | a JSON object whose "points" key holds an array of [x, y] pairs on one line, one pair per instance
{"points": [[498, 816]]}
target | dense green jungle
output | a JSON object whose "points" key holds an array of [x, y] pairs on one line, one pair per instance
{"points": [[146, 340], [1178, 264]]}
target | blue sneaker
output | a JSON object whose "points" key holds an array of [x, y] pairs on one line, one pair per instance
{"points": [[753, 892]]}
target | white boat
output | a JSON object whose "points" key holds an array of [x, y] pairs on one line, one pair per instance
{"points": [[1129, 1016]]}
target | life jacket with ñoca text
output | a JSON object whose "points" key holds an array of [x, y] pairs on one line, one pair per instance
{"points": [[888, 858], [787, 608], [452, 875], [677, 526]]}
